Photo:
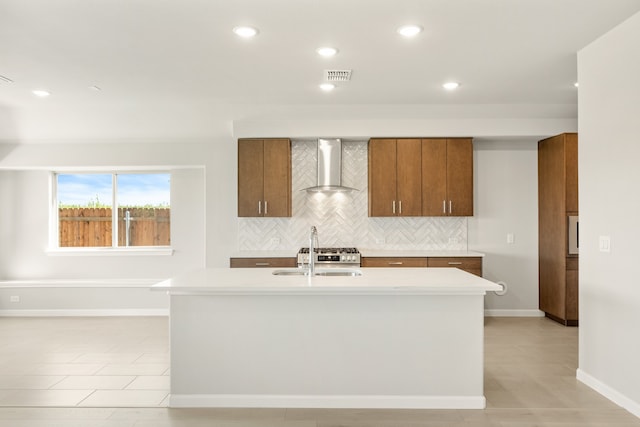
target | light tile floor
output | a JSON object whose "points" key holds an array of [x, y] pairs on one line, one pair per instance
{"points": [[76, 372], [92, 361]]}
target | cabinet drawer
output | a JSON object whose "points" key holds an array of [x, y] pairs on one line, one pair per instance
{"points": [[470, 264], [263, 262], [393, 262]]}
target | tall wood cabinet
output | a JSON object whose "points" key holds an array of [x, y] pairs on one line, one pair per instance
{"points": [[395, 177], [447, 177], [557, 200], [264, 178]]}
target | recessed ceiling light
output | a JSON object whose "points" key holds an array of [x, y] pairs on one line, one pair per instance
{"points": [[327, 87], [41, 93], [576, 84], [409, 30], [327, 51], [451, 85], [246, 32]]}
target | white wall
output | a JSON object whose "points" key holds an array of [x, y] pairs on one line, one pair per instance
{"points": [[609, 177], [203, 222], [26, 234], [506, 195], [203, 203], [506, 202], [204, 213]]}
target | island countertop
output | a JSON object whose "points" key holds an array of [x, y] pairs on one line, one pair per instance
{"points": [[373, 281]]}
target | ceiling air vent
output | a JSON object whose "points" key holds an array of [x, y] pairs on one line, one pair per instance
{"points": [[337, 75], [4, 79]]}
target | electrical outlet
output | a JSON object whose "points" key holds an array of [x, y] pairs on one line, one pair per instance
{"points": [[380, 241], [275, 240], [14, 298]]}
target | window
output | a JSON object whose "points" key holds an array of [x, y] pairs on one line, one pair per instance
{"points": [[112, 209]]}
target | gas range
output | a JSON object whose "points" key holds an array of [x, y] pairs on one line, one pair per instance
{"points": [[331, 257]]}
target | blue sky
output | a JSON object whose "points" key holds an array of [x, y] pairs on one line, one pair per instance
{"points": [[133, 189]]}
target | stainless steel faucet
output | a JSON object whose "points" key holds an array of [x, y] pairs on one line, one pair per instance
{"points": [[313, 238]]}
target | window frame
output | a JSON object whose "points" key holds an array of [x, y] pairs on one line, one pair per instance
{"points": [[54, 247]]}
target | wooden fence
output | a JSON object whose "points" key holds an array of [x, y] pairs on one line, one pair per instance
{"points": [[91, 227]]}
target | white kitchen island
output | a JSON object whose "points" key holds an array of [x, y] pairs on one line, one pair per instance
{"points": [[391, 338]]}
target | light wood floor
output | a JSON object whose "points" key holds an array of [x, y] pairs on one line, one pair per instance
{"points": [[113, 372]]}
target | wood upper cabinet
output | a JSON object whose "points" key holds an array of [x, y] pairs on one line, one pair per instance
{"points": [[394, 177], [264, 178], [434, 177], [447, 177]]}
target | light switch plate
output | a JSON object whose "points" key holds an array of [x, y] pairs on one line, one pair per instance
{"points": [[605, 244], [510, 238]]}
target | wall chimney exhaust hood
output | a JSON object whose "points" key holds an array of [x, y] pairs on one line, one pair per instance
{"points": [[329, 167]]}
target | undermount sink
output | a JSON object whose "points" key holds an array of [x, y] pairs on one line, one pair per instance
{"points": [[318, 272], [336, 272], [292, 272]]}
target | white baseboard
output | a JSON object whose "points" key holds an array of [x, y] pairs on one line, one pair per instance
{"points": [[311, 401], [85, 313], [513, 313], [608, 392]]}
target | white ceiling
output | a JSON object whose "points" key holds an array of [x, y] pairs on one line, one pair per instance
{"points": [[174, 68]]}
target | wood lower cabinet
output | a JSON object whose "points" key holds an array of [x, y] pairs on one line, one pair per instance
{"points": [[264, 178], [557, 200], [472, 265], [571, 296], [393, 262], [394, 177], [447, 177], [263, 262]]}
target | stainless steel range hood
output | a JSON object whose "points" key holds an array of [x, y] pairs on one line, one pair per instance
{"points": [[329, 167]]}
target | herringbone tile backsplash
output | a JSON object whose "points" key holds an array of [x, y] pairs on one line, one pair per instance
{"points": [[341, 218]]}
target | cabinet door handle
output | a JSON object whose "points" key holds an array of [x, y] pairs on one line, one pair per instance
{"points": [[444, 207], [259, 207], [265, 208], [394, 206], [449, 206], [400, 206], [395, 262], [455, 263], [262, 264]]}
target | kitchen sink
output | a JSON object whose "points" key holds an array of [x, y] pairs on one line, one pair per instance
{"points": [[319, 272], [338, 272], [292, 272]]}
